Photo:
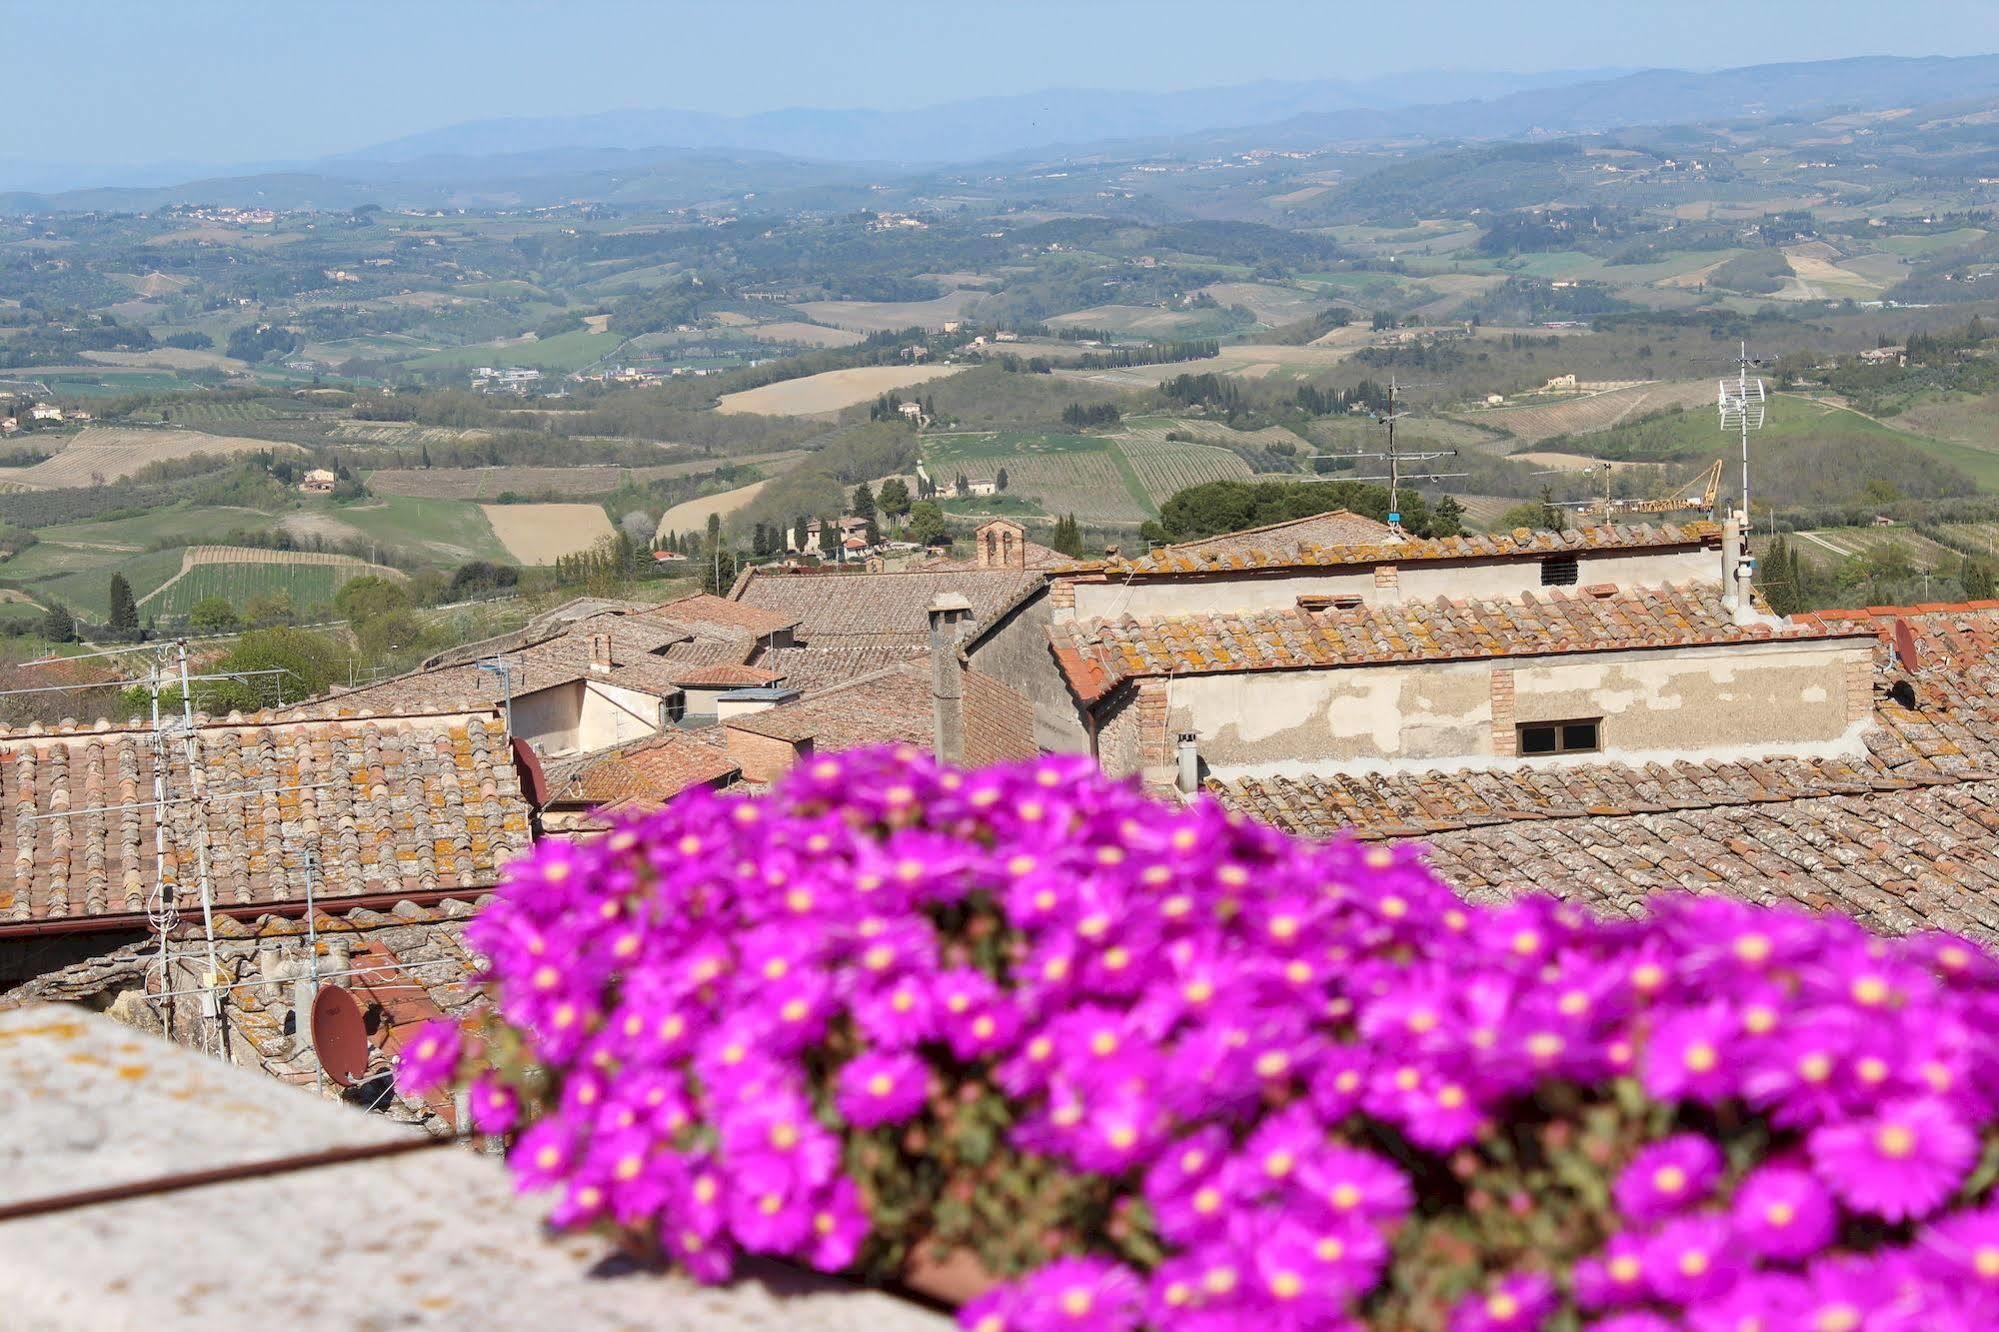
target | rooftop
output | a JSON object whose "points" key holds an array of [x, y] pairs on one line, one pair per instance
{"points": [[888, 706], [1902, 838], [1096, 655], [1519, 543], [648, 772], [879, 609], [394, 806]]}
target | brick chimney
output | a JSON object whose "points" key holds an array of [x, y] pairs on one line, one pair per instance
{"points": [[950, 619], [600, 653]]}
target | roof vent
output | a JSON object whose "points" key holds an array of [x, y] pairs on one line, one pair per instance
{"points": [[1601, 591], [1321, 601], [1559, 571]]}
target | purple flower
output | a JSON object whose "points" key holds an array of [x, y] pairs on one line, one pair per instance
{"points": [[1900, 1164], [1614, 1278], [429, 1060], [1087, 1294], [542, 1155], [495, 1107], [1633, 1322], [1689, 1259], [1349, 1182], [1783, 1213], [879, 1088], [1667, 1178], [1965, 1248], [839, 1224], [1523, 1300], [1688, 1056]]}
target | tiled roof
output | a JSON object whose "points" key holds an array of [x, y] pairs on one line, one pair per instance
{"points": [[1277, 540], [1902, 838], [393, 804], [813, 668], [880, 609], [648, 772], [702, 610], [730, 676], [1097, 654], [889, 706], [1521, 542]]}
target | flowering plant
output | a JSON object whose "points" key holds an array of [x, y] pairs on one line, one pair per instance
{"points": [[1161, 1066]]}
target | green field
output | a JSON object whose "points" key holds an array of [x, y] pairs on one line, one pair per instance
{"points": [[565, 351], [1099, 478], [308, 585], [448, 531], [189, 524], [89, 592]]}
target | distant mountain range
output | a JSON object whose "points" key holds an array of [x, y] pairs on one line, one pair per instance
{"points": [[680, 156]]}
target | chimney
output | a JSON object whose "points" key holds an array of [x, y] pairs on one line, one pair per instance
{"points": [[600, 653], [950, 618], [1731, 556], [1189, 779], [1743, 610]]}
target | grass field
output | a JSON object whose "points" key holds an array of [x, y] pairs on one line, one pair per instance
{"points": [[1594, 412], [491, 482], [808, 335], [885, 316], [565, 351], [89, 591], [103, 453], [543, 533], [448, 532], [238, 574], [1102, 479], [1836, 545], [831, 390]]}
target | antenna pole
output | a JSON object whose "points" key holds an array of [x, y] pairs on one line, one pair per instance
{"points": [[1742, 390], [198, 788]]}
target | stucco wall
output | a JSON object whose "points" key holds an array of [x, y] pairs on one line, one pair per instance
{"points": [[611, 715], [1015, 652], [1743, 699], [1421, 580], [547, 718]]}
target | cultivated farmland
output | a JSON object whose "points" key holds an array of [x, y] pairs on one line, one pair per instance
{"points": [[1165, 468], [1592, 412], [1835, 545], [831, 390], [543, 533], [237, 574], [807, 335], [106, 454], [692, 515], [884, 316]]}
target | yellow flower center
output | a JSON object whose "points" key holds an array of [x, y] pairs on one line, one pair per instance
{"points": [[1207, 1200], [1075, 1301], [1814, 1067], [1700, 1057], [1693, 1262], [1752, 947], [1286, 1285], [1985, 1261], [1895, 1140], [795, 1010], [1669, 1179], [1648, 976], [784, 1136], [1624, 1268], [1219, 1280], [1780, 1214], [1502, 1305], [881, 1084], [1330, 1249], [1870, 991], [1103, 1043], [1278, 1164]]}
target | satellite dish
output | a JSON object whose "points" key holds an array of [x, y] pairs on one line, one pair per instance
{"points": [[339, 1036]]}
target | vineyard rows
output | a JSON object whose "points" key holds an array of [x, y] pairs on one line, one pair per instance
{"points": [[1164, 469], [1838, 544]]}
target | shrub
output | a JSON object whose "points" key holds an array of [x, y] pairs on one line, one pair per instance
{"points": [[1162, 1065]]}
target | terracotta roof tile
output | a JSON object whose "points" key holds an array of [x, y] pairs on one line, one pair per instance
{"points": [[1520, 541], [392, 804], [880, 609], [649, 773], [890, 706], [1557, 620]]}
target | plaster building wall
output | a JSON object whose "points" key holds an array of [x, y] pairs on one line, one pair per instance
{"points": [[547, 718], [1015, 652], [1420, 580], [611, 715], [1726, 701]]}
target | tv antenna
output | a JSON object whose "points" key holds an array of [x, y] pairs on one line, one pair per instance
{"points": [[1741, 401], [1395, 457]]}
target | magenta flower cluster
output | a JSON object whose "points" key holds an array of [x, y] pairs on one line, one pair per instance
{"points": [[1231, 1024]]}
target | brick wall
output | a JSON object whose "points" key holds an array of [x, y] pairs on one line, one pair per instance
{"points": [[1155, 745], [763, 758], [1505, 739], [1387, 583], [1860, 689], [999, 722], [1062, 594]]}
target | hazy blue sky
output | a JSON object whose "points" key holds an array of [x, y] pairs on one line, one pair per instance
{"points": [[216, 81]]}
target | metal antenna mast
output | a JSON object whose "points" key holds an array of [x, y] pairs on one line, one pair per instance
{"points": [[1741, 400], [1395, 457]]}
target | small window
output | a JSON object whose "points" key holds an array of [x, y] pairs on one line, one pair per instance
{"points": [[1558, 571], [1537, 739]]}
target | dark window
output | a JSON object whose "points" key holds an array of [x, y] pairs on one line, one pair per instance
{"points": [[1559, 737], [1558, 571]]}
